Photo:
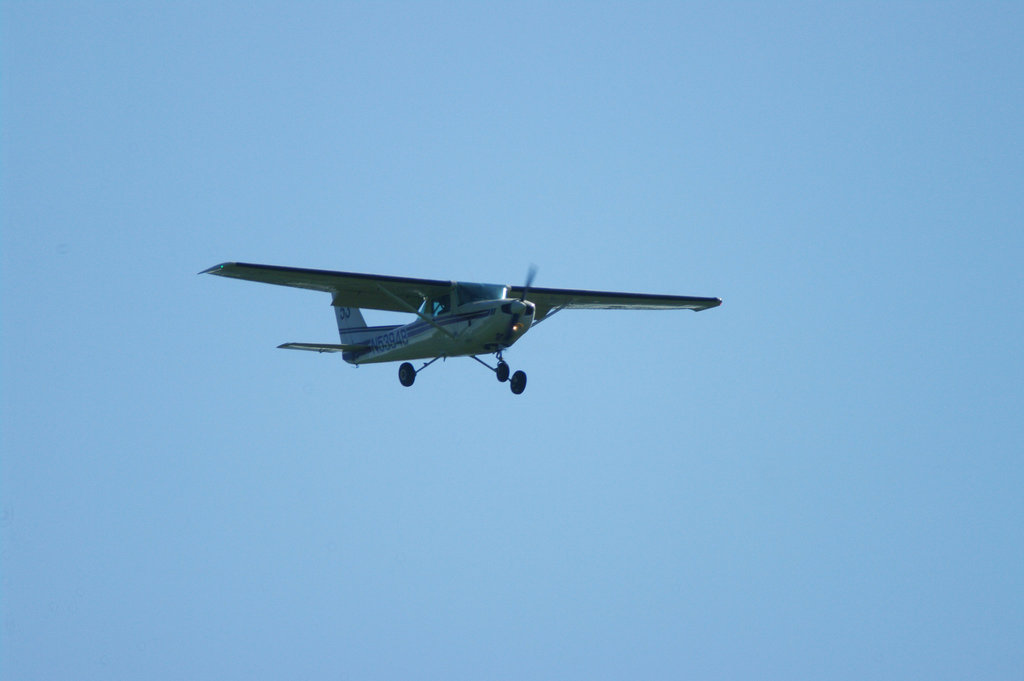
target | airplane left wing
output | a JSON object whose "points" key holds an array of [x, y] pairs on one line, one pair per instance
{"points": [[550, 300], [348, 289]]}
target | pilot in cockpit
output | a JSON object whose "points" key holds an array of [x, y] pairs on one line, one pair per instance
{"points": [[440, 305]]}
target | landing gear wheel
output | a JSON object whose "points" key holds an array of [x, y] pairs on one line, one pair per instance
{"points": [[502, 372], [406, 374], [518, 382]]}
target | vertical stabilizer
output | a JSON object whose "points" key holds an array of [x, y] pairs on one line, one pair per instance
{"points": [[350, 323]]}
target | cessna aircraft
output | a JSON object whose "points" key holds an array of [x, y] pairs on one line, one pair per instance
{"points": [[453, 318]]}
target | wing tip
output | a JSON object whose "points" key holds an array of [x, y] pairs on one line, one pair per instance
{"points": [[711, 303], [216, 268]]}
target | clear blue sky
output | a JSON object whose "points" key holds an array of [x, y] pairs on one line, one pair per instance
{"points": [[820, 479]]}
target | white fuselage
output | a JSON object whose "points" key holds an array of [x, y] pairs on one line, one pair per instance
{"points": [[473, 329]]}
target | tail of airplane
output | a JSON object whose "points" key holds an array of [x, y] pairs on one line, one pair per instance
{"points": [[351, 325], [352, 329]]}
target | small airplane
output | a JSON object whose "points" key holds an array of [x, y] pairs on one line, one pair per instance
{"points": [[453, 318]]}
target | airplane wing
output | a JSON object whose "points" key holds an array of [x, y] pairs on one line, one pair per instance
{"points": [[404, 294], [551, 300], [348, 289]]}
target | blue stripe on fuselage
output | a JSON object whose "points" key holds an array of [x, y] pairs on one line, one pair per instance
{"points": [[420, 326], [370, 329], [409, 332]]}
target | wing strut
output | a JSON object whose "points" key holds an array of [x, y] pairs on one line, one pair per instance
{"points": [[550, 313], [416, 312]]}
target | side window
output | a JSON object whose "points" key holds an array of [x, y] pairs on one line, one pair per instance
{"points": [[441, 304]]}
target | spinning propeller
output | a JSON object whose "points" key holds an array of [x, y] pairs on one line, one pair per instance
{"points": [[514, 322], [530, 274]]}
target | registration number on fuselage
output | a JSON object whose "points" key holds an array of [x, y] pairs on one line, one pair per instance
{"points": [[390, 340]]}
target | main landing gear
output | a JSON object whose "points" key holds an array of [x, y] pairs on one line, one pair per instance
{"points": [[407, 373], [517, 381]]}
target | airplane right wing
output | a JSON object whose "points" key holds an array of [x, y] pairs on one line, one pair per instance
{"points": [[348, 289]]}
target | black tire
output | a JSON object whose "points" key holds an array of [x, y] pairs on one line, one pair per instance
{"points": [[518, 382], [406, 374], [502, 372]]}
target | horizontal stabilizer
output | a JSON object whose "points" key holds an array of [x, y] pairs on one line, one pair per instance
{"points": [[322, 347]]}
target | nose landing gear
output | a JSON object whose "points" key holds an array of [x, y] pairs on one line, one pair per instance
{"points": [[518, 379], [518, 382]]}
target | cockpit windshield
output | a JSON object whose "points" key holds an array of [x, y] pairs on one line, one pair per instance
{"points": [[469, 293], [464, 293]]}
